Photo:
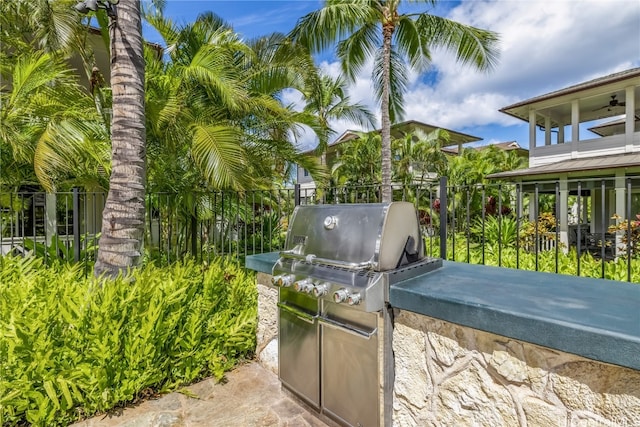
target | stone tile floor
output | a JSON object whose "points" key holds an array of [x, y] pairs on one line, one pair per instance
{"points": [[251, 396]]}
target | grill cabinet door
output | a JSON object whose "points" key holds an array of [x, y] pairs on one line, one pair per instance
{"points": [[350, 385], [298, 352]]}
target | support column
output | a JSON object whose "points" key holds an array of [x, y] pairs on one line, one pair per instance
{"points": [[620, 209], [532, 207], [575, 128], [50, 217], [629, 125], [563, 220], [520, 201], [547, 130], [560, 133], [532, 131], [588, 202]]}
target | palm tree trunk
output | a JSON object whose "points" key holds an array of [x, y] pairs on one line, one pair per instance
{"points": [[120, 243], [385, 130]]}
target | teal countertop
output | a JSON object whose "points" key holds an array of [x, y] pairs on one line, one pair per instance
{"points": [[594, 318], [262, 263]]}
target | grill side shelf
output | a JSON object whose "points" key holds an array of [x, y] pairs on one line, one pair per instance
{"points": [[410, 271]]}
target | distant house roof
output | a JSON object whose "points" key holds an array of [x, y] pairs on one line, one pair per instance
{"points": [[505, 146], [629, 160], [400, 129]]}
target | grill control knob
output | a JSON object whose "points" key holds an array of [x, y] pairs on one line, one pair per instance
{"points": [[354, 299], [304, 285], [320, 290], [340, 295], [283, 281]]}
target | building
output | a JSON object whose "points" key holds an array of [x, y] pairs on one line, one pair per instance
{"points": [[585, 137]]}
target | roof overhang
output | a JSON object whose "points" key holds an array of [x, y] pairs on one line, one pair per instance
{"points": [[616, 127], [588, 167]]}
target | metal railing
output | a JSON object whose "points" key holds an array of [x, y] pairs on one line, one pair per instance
{"points": [[581, 227]]}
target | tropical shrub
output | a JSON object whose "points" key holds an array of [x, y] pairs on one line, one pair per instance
{"points": [[60, 251], [495, 229], [546, 261], [72, 346], [630, 231], [538, 233]]}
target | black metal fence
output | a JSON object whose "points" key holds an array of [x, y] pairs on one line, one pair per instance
{"points": [[580, 227]]}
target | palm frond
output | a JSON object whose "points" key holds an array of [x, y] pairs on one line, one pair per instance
{"points": [[218, 152], [210, 68], [410, 44], [72, 148], [471, 45], [355, 50], [169, 32], [37, 72], [337, 20]]}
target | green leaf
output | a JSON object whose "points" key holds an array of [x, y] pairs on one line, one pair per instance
{"points": [[51, 392]]}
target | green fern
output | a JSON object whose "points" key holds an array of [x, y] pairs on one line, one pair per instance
{"points": [[71, 347]]}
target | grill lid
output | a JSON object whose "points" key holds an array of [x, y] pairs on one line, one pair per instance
{"points": [[377, 236]]}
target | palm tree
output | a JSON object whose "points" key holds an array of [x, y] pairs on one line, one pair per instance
{"points": [[49, 26], [420, 157], [376, 29], [120, 243], [51, 134], [327, 99], [214, 114], [358, 161], [215, 120]]}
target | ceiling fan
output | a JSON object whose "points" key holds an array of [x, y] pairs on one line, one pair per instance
{"points": [[613, 103]]}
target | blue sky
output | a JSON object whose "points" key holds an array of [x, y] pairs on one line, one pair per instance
{"points": [[545, 46]]}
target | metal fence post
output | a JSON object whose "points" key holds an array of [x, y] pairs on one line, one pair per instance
{"points": [[443, 217], [76, 225], [194, 233], [296, 194]]}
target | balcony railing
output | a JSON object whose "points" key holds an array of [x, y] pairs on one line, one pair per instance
{"points": [[600, 146]]}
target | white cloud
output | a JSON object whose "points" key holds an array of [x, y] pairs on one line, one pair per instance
{"points": [[293, 98], [548, 45], [544, 46]]}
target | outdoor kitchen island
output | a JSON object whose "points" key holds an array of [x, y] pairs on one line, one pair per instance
{"points": [[485, 346]]}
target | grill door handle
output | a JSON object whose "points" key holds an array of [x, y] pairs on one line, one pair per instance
{"points": [[334, 324], [312, 259], [302, 315]]}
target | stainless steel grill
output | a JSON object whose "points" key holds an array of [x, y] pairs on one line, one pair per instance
{"points": [[334, 275]]}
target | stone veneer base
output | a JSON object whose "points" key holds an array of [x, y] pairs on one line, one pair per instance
{"points": [[451, 375]]}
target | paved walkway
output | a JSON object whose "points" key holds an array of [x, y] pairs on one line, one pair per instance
{"points": [[251, 396]]}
